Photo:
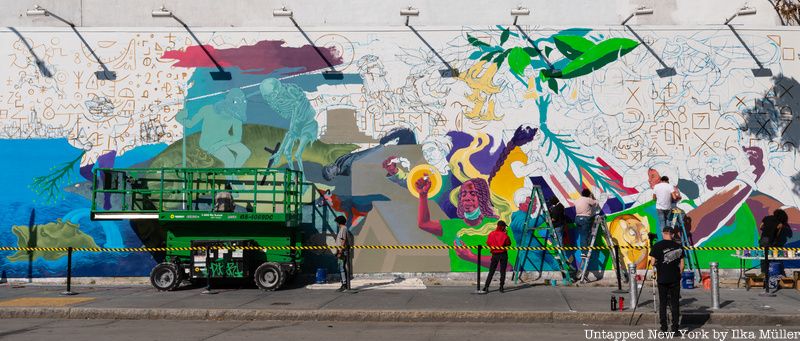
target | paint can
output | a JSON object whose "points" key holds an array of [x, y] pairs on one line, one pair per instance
{"points": [[322, 275], [687, 280]]}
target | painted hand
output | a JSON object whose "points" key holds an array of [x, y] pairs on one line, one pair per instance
{"points": [[423, 185], [464, 253]]}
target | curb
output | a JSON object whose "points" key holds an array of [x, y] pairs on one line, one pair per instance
{"points": [[616, 318]]}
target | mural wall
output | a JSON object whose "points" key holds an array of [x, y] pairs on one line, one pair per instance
{"points": [[409, 156]]}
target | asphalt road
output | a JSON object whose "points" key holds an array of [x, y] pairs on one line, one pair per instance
{"points": [[44, 329]]}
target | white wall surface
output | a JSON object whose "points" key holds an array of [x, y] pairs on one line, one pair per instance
{"points": [[308, 13]]}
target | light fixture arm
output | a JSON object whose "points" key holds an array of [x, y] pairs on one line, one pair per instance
{"points": [[628, 18]]}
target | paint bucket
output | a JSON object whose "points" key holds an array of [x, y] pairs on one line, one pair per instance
{"points": [[775, 273], [322, 275], [705, 278], [687, 280]]}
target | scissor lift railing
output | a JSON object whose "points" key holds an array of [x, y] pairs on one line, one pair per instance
{"points": [[176, 194]]}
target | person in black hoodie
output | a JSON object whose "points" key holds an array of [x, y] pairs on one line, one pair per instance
{"points": [[775, 232]]}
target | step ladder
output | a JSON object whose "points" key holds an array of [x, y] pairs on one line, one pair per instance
{"points": [[542, 215], [692, 263], [599, 225]]}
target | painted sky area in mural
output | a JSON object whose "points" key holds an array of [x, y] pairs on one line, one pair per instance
{"points": [[437, 160]]}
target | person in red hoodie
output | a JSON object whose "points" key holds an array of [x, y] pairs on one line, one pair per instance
{"points": [[498, 239]]}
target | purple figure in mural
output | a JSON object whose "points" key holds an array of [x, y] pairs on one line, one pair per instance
{"points": [[104, 161]]}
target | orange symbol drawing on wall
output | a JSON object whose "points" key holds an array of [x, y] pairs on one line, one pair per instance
{"points": [[421, 171]]}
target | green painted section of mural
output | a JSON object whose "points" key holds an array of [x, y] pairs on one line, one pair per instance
{"points": [[55, 234]]}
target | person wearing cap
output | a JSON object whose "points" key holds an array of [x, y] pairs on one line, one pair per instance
{"points": [[497, 241], [667, 258]]}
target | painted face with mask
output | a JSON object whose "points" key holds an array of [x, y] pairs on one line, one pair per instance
{"points": [[470, 201]]}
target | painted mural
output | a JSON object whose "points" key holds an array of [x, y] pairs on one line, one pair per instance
{"points": [[408, 155]]}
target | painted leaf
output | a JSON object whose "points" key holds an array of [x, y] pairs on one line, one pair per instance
{"points": [[572, 47], [547, 50], [475, 55], [598, 56], [552, 84], [531, 51], [475, 42], [489, 56], [501, 58], [518, 60], [504, 36]]}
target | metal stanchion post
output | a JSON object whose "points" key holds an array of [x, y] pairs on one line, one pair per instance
{"points": [[632, 275], [714, 285], [619, 276], [208, 290], [69, 274], [478, 272], [766, 292]]}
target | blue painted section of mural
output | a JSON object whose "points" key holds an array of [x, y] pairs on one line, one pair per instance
{"points": [[23, 207]]}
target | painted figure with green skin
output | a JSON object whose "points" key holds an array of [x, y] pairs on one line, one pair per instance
{"points": [[221, 134], [289, 101]]}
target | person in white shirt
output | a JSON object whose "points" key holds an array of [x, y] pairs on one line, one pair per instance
{"points": [[665, 196], [585, 207]]}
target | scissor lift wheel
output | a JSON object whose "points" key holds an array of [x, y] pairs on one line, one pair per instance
{"points": [[269, 276], [165, 277]]}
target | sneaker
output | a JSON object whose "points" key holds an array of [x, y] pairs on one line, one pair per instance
{"points": [[341, 288], [501, 290]]}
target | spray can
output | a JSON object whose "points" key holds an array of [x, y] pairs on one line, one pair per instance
{"points": [[621, 303], [613, 303]]}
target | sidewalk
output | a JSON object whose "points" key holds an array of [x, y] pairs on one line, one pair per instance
{"points": [[410, 302]]}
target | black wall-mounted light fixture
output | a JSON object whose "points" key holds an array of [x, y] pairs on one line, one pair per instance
{"points": [[105, 74], [331, 73], [220, 74], [449, 72]]}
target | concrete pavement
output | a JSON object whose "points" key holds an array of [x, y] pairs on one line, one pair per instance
{"points": [[119, 330], [522, 303]]}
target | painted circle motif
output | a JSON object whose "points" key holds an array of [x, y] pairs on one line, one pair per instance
{"points": [[343, 48], [417, 173]]}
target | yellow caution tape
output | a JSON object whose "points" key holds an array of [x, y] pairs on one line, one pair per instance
{"points": [[381, 247]]}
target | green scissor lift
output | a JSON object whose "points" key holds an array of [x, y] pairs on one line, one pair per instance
{"points": [[268, 213]]}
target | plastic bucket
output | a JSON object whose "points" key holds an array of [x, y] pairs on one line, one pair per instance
{"points": [[687, 280], [705, 278], [322, 275]]}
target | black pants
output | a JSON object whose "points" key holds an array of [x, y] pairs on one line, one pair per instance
{"points": [[669, 294], [502, 260]]}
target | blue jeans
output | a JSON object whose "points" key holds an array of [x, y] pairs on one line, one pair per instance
{"points": [[345, 268], [664, 218], [583, 230]]}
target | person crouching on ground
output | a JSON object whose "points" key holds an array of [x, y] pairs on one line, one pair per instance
{"points": [[497, 241], [667, 257]]}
